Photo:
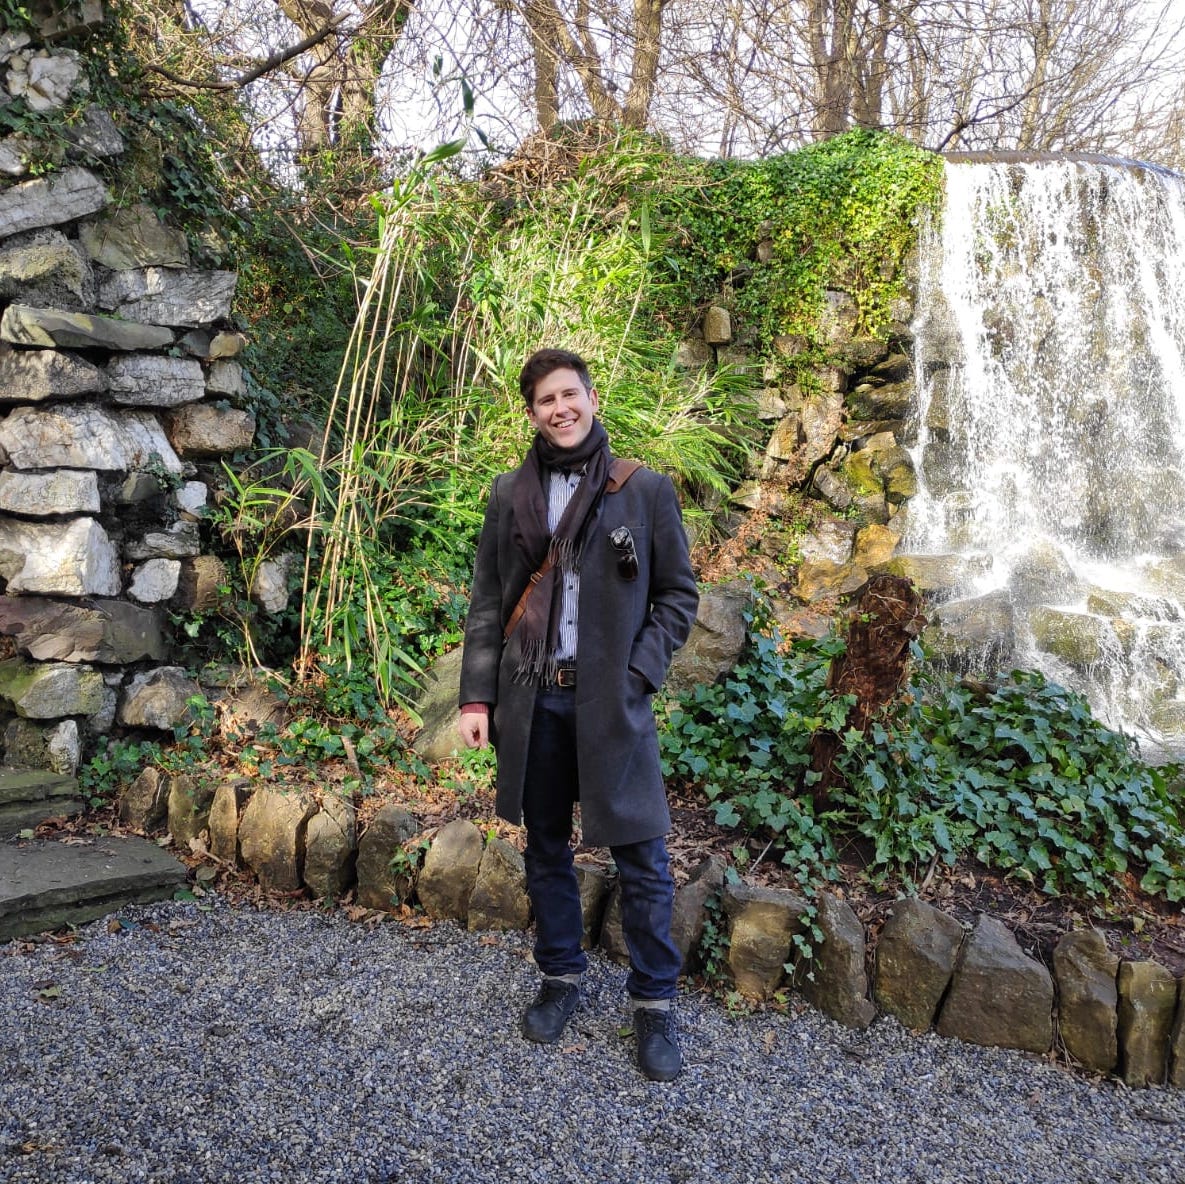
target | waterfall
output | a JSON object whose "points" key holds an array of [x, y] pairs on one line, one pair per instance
{"points": [[1050, 435]]}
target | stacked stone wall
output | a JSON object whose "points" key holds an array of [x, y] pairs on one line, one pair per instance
{"points": [[118, 384]]}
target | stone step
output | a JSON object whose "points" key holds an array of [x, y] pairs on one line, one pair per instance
{"points": [[47, 884], [30, 796]]}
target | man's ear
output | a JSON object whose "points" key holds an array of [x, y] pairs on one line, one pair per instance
{"points": [[593, 397]]}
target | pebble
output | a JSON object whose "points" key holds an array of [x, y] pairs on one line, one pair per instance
{"points": [[212, 1042]]}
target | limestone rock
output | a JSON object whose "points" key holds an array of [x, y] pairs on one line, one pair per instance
{"points": [[1080, 639], [108, 631], [1085, 972], [450, 871], [1043, 574], [438, 738], [226, 379], [835, 981], [830, 539], [202, 429], [31, 375], [1147, 1002], [716, 640], [839, 317], [201, 583], [69, 558], [939, 575], [915, 958], [94, 136], [999, 996], [690, 911], [168, 295], [1177, 1042], [383, 882], [56, 747], [149, 380], [58, 491], [51, 327], [61, 20], [133, 237], [155, 580], [272, 837], [68, 195], [189, 800], [191, 497], [223, 822], [179, 541], [49, 690], [823, 580], [158, 699], [144, 805], [980, 631], [717, 327], [874, 545], [14, 156], [762, 926], [595, 884], [85, 436], [499, 897], [47, 270], [46, 80], [269, 587], [331, 848], [693, 354]]}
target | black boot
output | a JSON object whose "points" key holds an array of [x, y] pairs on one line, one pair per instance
{"points": [[544, 1021], [658, 1043]]}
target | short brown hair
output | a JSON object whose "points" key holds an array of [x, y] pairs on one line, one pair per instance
{"points": [[542, 362]]}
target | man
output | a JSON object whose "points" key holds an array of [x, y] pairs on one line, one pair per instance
{"points": [[561, 684]]}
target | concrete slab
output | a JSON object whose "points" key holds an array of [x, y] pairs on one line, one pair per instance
{"points": [[30, 796], [47, 884]]}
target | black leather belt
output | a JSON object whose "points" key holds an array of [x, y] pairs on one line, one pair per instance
{"points": [[565, 676]]}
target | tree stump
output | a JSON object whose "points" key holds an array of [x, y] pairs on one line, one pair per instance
{"points": [[881, 624]]}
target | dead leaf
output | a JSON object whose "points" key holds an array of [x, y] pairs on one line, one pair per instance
{"points": [[574, 1048], [770, 1041]]}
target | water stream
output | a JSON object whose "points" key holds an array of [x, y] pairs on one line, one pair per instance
{"points": [[1050, 346]]}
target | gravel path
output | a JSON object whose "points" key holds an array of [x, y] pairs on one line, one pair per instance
{"points": [[235, 1045]]}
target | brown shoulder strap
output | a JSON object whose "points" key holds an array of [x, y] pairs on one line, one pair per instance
{"points": [[620, 471], [521, 607]]}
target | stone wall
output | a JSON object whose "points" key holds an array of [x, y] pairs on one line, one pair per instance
{"points": [[973, 982], [118, 380]]}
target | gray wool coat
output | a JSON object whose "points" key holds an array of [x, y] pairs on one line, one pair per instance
{"points": [[628, 631]]}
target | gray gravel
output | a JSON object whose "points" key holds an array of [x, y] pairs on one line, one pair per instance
{"points": [[225, 1044]]}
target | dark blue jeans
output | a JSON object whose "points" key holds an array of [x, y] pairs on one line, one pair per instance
{"points": [[550, 791]]}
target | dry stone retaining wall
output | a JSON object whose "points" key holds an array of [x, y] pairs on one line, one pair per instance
{"points": [[975, 983], [116, 378]]}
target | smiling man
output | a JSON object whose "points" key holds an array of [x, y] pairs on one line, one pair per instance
{"points": [[582, 592]]}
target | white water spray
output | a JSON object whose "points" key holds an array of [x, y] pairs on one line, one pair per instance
{"points": [[1051, 420]]}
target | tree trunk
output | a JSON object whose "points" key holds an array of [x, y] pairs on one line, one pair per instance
{"points": [[881, 625]]}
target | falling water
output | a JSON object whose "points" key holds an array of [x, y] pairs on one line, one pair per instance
{"points": [[1051, 422]]}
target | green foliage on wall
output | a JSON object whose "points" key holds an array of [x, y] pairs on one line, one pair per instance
{"points": [[843, 213]]}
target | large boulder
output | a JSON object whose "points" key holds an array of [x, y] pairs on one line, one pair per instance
{"points": [[763, 923], [717, 637], [689, 916], [450, 871], [169, 295], [109, 631], [49, 493], [133, 236], [385, 875], [834, 980], [71, 193], [149, 380], [595, 884], [45, 269], [85, 436], [158, 699], [144, 805], [223, 822], [499, 897], [999, 997], [979, 632], [915, 958], [438, 738], [50, 690], [72, 557], [57, 746], [331, 848], [189, 799], [205, 429], [1085, 972], [1147, 1003], [272, 837], [22, 324], [33, 375]]}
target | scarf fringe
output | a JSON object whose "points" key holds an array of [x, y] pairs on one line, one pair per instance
{"points": [[536, 666]]}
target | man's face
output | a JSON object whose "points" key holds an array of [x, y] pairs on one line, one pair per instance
{"points": [[563, 409]]}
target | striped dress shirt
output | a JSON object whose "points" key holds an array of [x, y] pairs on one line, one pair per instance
{"points": [[560, 489]]}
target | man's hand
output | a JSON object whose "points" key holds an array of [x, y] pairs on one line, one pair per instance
{"points": [[474, 727]]}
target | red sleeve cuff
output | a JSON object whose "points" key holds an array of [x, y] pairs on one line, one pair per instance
{"points": [[475, 709]]}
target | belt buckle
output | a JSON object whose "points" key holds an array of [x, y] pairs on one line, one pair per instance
{"points": [[565, 676]]}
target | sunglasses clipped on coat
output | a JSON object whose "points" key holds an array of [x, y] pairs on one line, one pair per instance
{"points": [[622, 541]]}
